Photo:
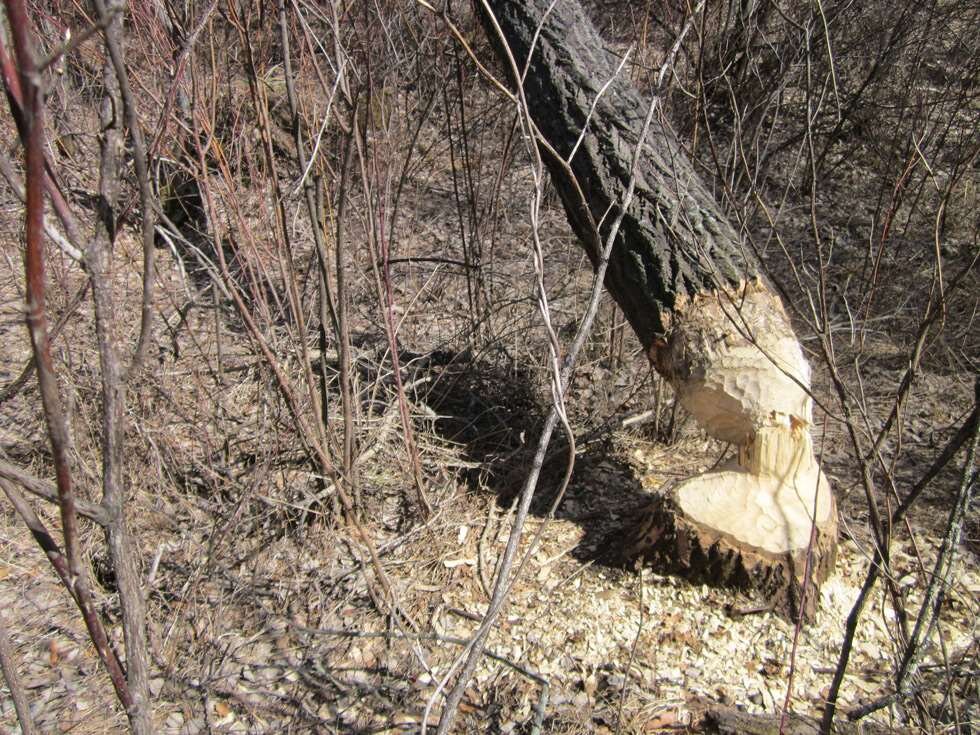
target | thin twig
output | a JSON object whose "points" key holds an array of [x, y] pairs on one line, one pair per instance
{"points": [[938, 584], [7, 170], [15, 99], [503, 583], [47, 491], [540, 706], [968, 429], [8, 665], [74, 40], [84, 603], [633, 646], [804, 590], [16, 385]]}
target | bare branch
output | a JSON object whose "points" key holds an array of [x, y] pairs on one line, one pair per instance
{"points": [[49, 492]]}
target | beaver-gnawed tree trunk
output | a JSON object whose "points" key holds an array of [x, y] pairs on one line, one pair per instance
{"points": [[700, 305]]}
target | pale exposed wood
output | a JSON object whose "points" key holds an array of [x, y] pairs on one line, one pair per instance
{"points": [[736, 363], [675, 542], [738, 368]]}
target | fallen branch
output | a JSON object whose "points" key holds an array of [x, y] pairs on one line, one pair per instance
{"points": [[47, 491]]}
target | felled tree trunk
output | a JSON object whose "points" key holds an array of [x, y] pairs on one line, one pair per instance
{"points": [[701, 307]]}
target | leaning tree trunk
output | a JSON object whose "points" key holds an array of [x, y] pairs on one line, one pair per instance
{"points": [[701, 307]]}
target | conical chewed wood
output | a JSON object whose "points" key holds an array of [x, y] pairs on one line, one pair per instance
{"points": [[738, 368]]}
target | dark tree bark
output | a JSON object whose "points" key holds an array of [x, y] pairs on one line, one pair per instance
{"points": [[674, 241], [700, 305]]}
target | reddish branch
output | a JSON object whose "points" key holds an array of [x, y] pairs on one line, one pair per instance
{"points": [[30, 127], [15, 99]]}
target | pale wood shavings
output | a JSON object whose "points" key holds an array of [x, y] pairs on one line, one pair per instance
{"points": [[579, 633]]}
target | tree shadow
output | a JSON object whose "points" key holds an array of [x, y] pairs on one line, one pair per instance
{"points": [[495, 413]]}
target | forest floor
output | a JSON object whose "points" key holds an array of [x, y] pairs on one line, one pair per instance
{"points": [[263, 621]]}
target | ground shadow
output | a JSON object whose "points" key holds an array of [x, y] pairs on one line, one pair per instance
{"points": [[495, 412]]}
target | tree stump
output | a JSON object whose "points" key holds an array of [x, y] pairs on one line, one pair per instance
{"points": [[766, 522]]}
